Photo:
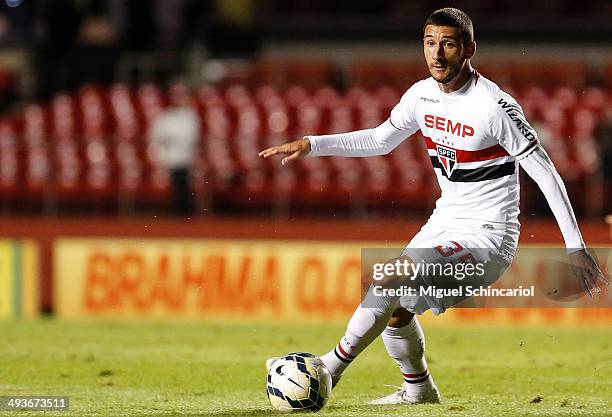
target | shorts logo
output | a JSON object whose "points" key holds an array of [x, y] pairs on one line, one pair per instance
{"points": [[448, 159]]}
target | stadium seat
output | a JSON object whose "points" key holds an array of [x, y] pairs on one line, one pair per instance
{"points": [[150, 102], [495, 71], [69, 170], [595, 99], [9, 162], [90, 146], [548, 76], [38, 171], [374, 74], [284, 72]]}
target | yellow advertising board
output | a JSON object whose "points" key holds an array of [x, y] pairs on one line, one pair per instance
{"points": [[204, 278], [19, 278], [244, 279]]}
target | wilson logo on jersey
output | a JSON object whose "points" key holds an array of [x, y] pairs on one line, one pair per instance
{"points": [[448, 159]]}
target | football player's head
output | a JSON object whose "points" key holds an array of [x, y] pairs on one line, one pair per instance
{"points": [[448, 43]]}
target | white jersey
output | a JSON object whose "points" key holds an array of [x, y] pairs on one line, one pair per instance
{"points": [[474, 137]]}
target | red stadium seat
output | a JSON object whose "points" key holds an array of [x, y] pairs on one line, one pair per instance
{"points": [[295, 94], [369, 113], [69, 171], [565, 97], [348, 175], [536, 99], [249, 122], [124, 114], [100, 178], [496, 71], [584, 121], [150, 103], [548, 75], [387, 98], [64, 117], [238, 96], [595, 99], [9, 162], [62, 151], [308, 117], [35, 125], [38, 174], [326, 96], [374, 74], [284, 72], [276, 125]]}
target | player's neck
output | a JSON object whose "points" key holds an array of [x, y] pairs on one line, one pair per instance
{"points": [[459, 81]]}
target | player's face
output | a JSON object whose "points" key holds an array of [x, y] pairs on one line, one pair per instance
{"points": [[445, 52]]}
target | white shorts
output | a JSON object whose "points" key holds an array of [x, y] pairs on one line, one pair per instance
{"points": [[459, 242]]}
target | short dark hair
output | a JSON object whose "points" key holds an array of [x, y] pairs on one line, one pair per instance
{"points": [[455, 18]]}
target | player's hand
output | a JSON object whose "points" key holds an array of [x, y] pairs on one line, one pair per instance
{"points": [[585, 267], [297, 149]]}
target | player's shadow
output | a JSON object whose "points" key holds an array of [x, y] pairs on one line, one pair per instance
{"points": [[267, 411], [226, 413], [397, 410], [259, 412]]}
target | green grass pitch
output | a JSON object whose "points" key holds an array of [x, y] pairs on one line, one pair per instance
{"points": [[215, 369]]}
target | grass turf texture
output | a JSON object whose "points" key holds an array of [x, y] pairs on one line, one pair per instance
{"points": [[203, 369]]}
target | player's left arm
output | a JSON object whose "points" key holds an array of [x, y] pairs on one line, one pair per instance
{"points": [[540, 168], [508, 125]]}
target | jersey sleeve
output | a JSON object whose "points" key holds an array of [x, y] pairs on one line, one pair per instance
{"points": [[541, 169], [509, 127], [368, 142], [403, 116]]}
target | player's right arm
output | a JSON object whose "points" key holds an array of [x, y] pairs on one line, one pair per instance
{"points": [[368, 142]]}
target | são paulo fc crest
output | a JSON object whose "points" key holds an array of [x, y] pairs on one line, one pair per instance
{"points": [[448, 159]]}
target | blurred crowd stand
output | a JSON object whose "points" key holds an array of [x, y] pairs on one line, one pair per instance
{"points": [[83, 135]]}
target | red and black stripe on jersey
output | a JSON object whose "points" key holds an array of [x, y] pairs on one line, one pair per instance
{"points": [[484, 173]]}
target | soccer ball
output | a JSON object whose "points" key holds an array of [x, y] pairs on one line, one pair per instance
{"points": [[297, 382]]}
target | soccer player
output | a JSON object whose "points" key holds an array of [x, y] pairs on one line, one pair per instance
{"points": [[477, 137]]}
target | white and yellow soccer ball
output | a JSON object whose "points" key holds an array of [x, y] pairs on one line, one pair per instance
{"points": [[298, 382]]}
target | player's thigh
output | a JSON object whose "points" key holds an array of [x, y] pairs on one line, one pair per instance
{"points": [[428, 234], [451, 261]]}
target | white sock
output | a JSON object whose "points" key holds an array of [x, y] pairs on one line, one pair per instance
{"points": [[365, 325], [406, 345]]}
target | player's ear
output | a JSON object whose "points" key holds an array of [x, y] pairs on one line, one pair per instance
{"points": [[470, 50]]}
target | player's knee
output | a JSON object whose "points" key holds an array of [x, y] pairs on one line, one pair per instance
{"points": [[400, 318]]}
